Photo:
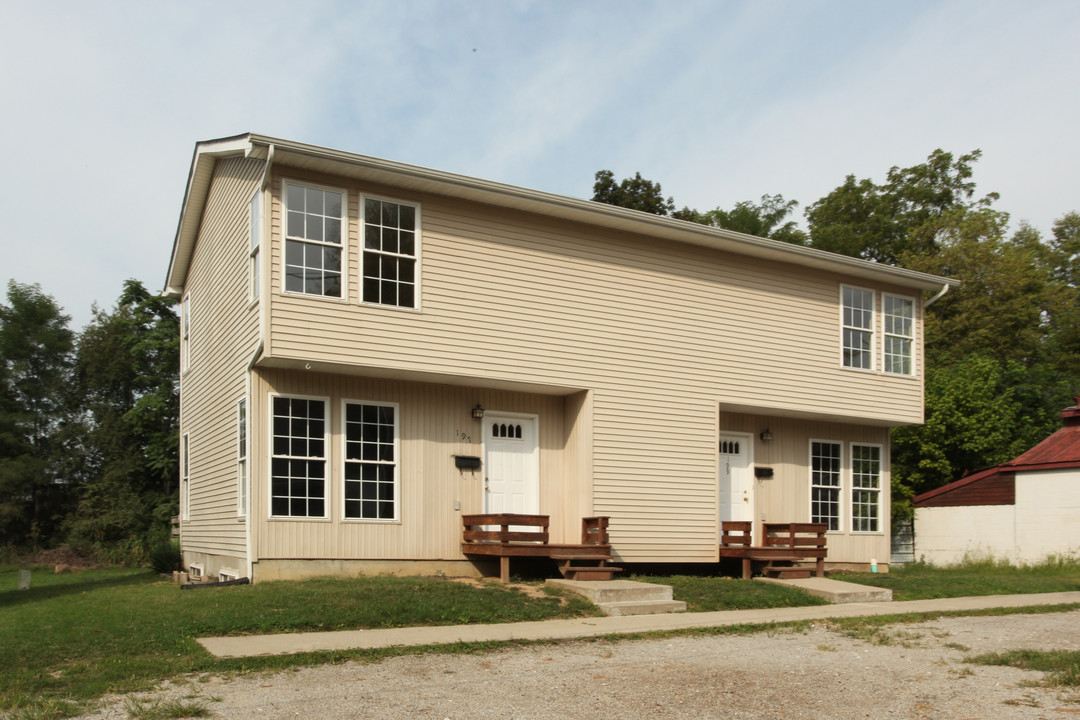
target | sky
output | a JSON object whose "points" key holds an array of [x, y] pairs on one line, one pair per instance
{"points": [[720, 101]]}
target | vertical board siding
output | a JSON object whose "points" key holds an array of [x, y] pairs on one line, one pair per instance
{"points": [[224, 333], [661, 334], [435, 423]]}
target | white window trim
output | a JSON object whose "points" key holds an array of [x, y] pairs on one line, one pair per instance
{"points": [[872, 330], [243, 462], [185, 477], [327, 434], [885, 335], [852, 488], [285, 182], [417, 248], [227, 574], [185, 333], [255, 232], [397, 462], [195, 570], [841, 505]]}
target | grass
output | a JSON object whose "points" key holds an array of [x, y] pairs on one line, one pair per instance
{"points": [[71, 638], [919, 581], [708, 593], [1062, 666]]}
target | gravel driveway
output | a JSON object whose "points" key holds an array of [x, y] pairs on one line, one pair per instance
{"points": [[819, 673]]}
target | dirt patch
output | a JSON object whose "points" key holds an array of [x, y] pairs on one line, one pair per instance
{"points": [[901, 671]]}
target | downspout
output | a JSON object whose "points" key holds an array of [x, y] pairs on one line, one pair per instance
{"points": [[940, 294], [264, 298]]}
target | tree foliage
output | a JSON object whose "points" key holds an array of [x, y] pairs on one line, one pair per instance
{"points": [[883, 222], [126, 374], [635, 193], [35, 362]]}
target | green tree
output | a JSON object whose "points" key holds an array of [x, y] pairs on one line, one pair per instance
{"points": [[126, 375], [765, 219], [635, 193], [35, 364], [883, 222]]}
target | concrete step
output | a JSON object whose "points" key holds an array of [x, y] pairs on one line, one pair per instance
{"points": [[836, 591], [642, 607], [615, 591]]}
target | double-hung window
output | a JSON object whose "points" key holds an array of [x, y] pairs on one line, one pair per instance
{"points": [[825, 468], [858, 310], [241, 458], [185, 333], [255, 229], [865, 488], [390, 252], [298, 457], [899, 317], [371, 451], [313, 240], [185, 477]]}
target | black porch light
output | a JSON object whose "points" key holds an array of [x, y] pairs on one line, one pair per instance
{"points": [[766, 435], [478, 411]]}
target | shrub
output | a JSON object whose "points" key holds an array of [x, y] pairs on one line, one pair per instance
{"points": [[165, 558]]}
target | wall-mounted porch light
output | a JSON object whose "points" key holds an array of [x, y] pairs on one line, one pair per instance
{"points": [[766, 435], [478, 411]]}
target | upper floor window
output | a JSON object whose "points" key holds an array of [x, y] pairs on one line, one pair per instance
{"points": [[313, 240], [858, 307], [185, 332], [255, 228], [390, 251], [899, 316]]}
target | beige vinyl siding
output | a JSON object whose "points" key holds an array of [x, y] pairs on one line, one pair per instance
{"points": [[435, 423], [785, 497], [224, 334], [660, 333]]}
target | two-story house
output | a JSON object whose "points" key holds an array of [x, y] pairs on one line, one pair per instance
{"points": [[356, 332]]}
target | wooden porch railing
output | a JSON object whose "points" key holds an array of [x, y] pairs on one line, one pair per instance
{"points": [[527, 536], [783, 543]]}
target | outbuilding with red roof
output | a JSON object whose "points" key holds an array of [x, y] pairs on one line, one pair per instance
{"points": [[1023, 511]]}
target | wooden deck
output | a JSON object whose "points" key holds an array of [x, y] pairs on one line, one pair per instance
{"points": [[786, 543], [527, 536]]}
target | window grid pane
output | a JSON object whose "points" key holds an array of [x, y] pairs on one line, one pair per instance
{"points": [[825, 484], [370, 462], [313, 244], [865, 487], [899, 318], [858, 310], [298, 463], [389, 266]]}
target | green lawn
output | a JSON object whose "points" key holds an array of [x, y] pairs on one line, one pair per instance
{"points": [[72, 638], [917, 581], [76, 637], [706, 593]]}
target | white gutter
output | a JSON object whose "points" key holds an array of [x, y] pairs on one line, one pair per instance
{"points": [[940, 294]]}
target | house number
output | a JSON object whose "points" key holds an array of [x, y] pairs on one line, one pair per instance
{"points": [[465, 437]]}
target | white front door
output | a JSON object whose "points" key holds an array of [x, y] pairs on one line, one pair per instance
{"points": [[511, 464], [736, 485]]}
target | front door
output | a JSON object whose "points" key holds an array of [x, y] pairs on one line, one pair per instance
{"points": [[736, 486], [511, 464]]}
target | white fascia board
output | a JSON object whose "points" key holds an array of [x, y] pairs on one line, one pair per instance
{"points": [[195, 194], [586, 211], [423, 179]]}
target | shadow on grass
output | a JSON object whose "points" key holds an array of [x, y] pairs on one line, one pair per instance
{"points": [[73, 585]]}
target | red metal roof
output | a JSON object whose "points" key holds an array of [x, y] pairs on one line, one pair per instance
{"points": [[1060, 450]]}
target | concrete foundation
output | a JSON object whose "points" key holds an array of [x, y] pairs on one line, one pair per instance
{"points": [[265, 570]]}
